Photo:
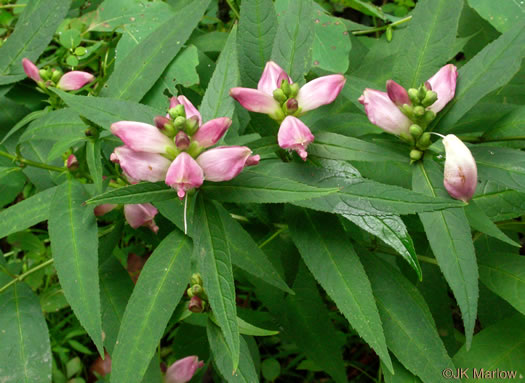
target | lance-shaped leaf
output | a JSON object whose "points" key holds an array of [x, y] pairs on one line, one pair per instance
{"points": [[409, 329], [74, 242], [498, 202], [32, 34], [480, 222], [146, 62], [257, 26], [427, 41], [138, 193], [217, 101], [502, 165], [448, 232], [24, 340], [157, 293], [332, 260], [211, 251], [294, 39]]}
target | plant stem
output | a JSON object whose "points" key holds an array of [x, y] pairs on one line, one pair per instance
{"points": [[234, 10], [378, 29], [32, 163], [272, 237], [12, 6], [481, 139], [427, 259], [28, 272]]}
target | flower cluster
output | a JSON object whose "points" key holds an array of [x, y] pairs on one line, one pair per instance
{"points": [[176, 149], [408, 114], [284, 101], [45, 78]]}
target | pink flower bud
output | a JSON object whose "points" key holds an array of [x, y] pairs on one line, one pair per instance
{"points": [[31, 70], [195, 305], [161, 121], [143, 214], [253, 160], [292, 105], [294, 135], [142, 137], [444, 84], [212, 131], [271, 78], [188, 107], [183, 370], [255, 100], [72, 162], [224, 162], [100, 210], [141, 166], [461, 174], [182, 140], [74, 80], [397, 93], [184, 174], [321, 91], [381, 111]]}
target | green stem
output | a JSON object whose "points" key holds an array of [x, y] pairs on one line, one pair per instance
{"points": [[384, 27], [12, 6], [32, 163], [481, 139], [272, 237], [28, 272], [234, 10], [427, 259]]}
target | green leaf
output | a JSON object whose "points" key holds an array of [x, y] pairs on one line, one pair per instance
{"points": [[402, 375], [24, 121], [31, 37], [490, 69], [245, 253], [133, 194], [498, 347], [331, 46], [26, 213], [217, 101], [503, 15], [509, 127], [252, 186], [158, 290], [24, 338], [498, 202], [246, 328], [304, 318], [502, 165], [94, 162], [504, 274], [257, 26], [427, 41], [74, 242], [338, 147], [211, 250], [479, 221], [146, 62], [222, 358], [332, 260], [294, 39], [409, 329], [70, 38], [182, 70], [105, 111], [448, 232]]}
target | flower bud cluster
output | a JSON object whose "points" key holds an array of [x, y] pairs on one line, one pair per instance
{"points": [[198, 298], [46, 78]]}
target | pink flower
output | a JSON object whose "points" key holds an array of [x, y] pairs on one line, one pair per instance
{"points": [[444, 84], [31, 70], [74, 80], [141, 166], [138, 215], [461, 174], [381, 111], [212, 131], [188, 107], [397, 93], [295, 135], [142, 137], [183, 370], [72, 162], [100, 210], [184, 174], [313, 94], [225, 162]]}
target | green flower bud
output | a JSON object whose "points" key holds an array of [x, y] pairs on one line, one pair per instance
{"points": [[278, 115], [408, 111], [389, 33], [285, 86], [415, 155], [413, 95], [192, 125], [56, 75], [419, 111], [429, 116], [179, 122], [177, 111], [294, 88], [189, 291], [196, 279], [43, 74], [171, 153], [279, 95], [197, 290], [430, 98], [422, 92], [424, 142], [416, 130], [194, 149], [407, 138]]}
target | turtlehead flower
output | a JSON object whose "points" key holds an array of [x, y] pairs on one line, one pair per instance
{"points": [[184, 174], [140, 166], [295, 135], [461, 174], [397, 109], [183, 369], [101, 210], [142, 214], [279, 97], [225, 162], [72, 162], [73, 80]]}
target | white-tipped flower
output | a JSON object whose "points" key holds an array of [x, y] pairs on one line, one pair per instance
{"points": [[461, 174]]}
